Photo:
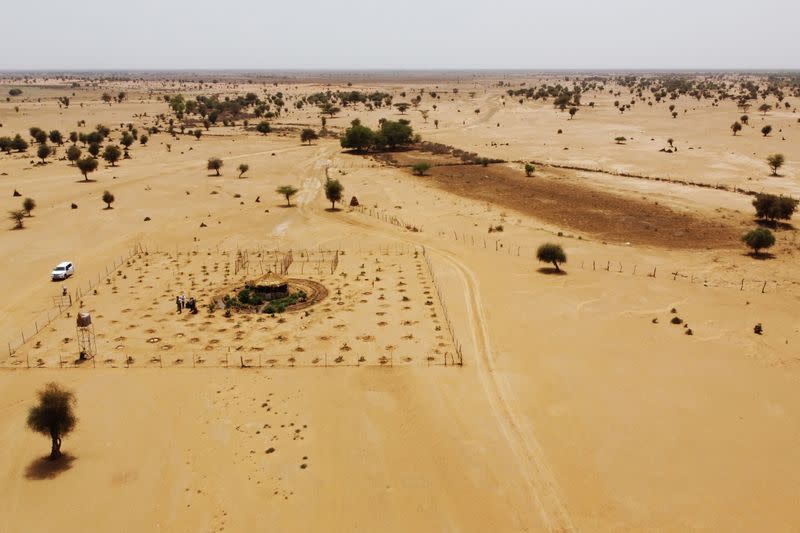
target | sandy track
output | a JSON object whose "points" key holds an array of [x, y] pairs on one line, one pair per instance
{"points": [[529, 453], [531, 459]]}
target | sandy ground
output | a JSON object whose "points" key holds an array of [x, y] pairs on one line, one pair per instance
{"points": [[579, 406]]}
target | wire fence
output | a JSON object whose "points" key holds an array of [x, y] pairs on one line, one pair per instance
{"points": [[65, 300], [458, 358], [499, 245], [234, 358]]}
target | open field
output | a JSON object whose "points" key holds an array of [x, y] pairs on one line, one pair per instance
{"points": [[630, 393]]}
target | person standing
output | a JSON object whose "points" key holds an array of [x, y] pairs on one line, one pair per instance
{"points": [[183, 301], [178, 303]]}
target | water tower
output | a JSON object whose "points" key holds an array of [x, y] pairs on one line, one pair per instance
{"points": [[84, 332]]}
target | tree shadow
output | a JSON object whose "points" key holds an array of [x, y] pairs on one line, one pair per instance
{"points": [[86, 181], [774, 224], [761, 256], [46, 468], [551, 271], [284, 206], [333, 209]]}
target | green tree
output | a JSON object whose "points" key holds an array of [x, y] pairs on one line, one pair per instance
{"points": [[357, 137], [112, 153], [758, 239], [263, 127], [198, 133], [39, 135], [308, 135], [572, 111], [736, 127], [333, 192], [402, 107], [620, 139], [53, 416], [766, 130], [18, 216], [143, 139], [87, 165], [529, 169], [18, 143], [244, 167], [73, 137], [421, 168], [5, 144], [744, 119], [56, 137], [43, 152], [28, 204], [393, 134], [108, 199], [329, 109], [73, 153], [215, 163], [764, 108], [288, 191], [126, 140], [551, 253], [775, 161], [15, 92], [772, 207]]}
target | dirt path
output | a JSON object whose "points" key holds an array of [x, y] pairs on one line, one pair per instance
{"points": [[533, 464]]}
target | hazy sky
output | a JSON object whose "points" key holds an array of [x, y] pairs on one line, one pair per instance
{"points": [[406, 34]]}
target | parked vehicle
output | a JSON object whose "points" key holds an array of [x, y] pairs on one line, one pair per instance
{"points": [[63, 271]]}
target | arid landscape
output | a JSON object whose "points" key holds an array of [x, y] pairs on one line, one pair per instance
{"points": [[380, 342]]}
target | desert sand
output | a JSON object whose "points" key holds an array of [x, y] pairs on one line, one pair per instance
{"points": [[443, 382]]}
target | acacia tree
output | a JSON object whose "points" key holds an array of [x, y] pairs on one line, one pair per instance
{"points": [[126, 140], [73, 153], [43, 152], [108, 198], [86, 165], [766, 130], [53, 416], [758, 239], [772, 207], [56, 137], [744, 119], [94, 149], [333, 192], [775, 161], [215, 163], [551, 253], [244, 167], [357, 136], [112, 153], [764, 108], [18, 143], [736, 127], [308, 135], [18, 216], [263, 127], [28, 204], [288, 191]]}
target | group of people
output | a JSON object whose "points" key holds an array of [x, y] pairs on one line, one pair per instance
{"points": [[182, 303]]}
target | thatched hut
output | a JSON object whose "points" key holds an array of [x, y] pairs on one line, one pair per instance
{"points": [[270, 286]]}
